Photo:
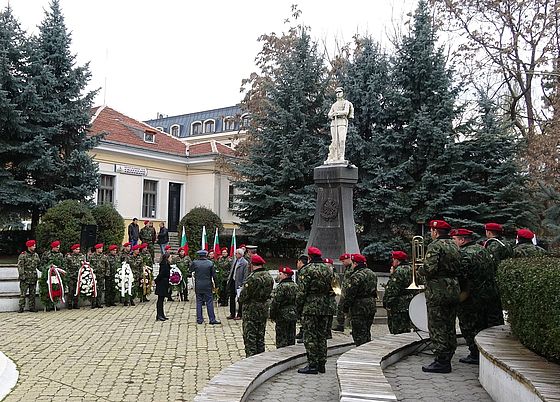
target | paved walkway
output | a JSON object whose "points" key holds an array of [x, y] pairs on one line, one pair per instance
{"points": [[411, 384]]}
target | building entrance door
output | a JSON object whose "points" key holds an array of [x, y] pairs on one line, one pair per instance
{"points": [[174, 207]]}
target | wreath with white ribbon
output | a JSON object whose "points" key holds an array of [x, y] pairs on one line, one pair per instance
{"points": [[55, 285], [124, 280], [87, 283], [146, 280]]}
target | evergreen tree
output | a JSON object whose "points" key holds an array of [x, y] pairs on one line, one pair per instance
{"points": [[69, 171], [287, 105], [487, 184]]}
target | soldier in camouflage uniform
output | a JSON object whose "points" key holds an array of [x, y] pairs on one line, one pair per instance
{"points": [[49, 257], [100, 265], [397, 297], [478, 289], [525, 247], [255, 297], [346, 260], [440, 272], [72, 265], [283, 309], [223, 266], [499, 250], [28, 263], [301, 263], [146, 236], [136, 263], [330, 265], [183, 262], [147, 262], [125, 252], [314, 304], [360, 292], [114, 262]]}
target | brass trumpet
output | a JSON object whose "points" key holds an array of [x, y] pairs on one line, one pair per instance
{"points": [[417, 260]]}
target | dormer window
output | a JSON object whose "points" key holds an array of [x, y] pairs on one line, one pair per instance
{"points": [[174, 130], [160, 129], [196, 128], [245, 121], [149, 137], [209, 126], [229, 124]]}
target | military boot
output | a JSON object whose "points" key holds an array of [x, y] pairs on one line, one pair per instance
{"points": [[470, 359], [339, 328], [321, 368], [437, 367], [308, 370]]}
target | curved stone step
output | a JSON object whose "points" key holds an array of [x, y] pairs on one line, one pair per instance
{"points": [[8, 375]]}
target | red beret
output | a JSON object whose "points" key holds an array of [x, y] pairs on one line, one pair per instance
{"points": [[242, 246], [344, 257], [399, 255], [168, 247], [495, 227], [126, 244], [525, 234], [55, 243], [30, 243], [112, 247], [286, 270], [314, 251], [136, 247], [328, 260], [257, 260], [358, 258], [461, 232], [146, 222], [143, 246], [75, 246], [99, 245], [437, 224]]}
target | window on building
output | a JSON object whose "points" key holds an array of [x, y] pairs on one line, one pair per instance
{"points": [[229, 124], [160, 129], [231, 197], [196, 128], [245, 121], [105, 194], [149, 137], [209, 126], [149, 199], [174, 130]]}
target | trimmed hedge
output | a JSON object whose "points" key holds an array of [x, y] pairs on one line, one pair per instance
{"points": [[193, 222], [530, 294], [110, 224]]}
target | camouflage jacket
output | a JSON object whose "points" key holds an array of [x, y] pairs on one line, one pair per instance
{"points": [[28, 263], [315, 290], [523, 250], [360, 292], [124, 256], [499, 249], [397, 297], [146, 235], [115, 264], [255, 294], [440, 271], [184, 265], [145, 254], [73, 263], [136, 263], [223, 266], [477, 272], [49, 257], [283, 305], [99, 264]]}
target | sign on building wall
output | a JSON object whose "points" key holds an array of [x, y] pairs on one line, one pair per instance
{"points": [[133, 170]]}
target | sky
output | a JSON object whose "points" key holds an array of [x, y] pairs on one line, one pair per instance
{"points": [[177, 56]]}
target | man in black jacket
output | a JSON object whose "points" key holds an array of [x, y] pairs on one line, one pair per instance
{"points": [[133, 232], [162, 237], [204, 279]]}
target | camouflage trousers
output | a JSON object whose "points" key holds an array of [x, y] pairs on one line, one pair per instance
{"points": [[96, 301], [473, 318], [315, 339], [361, 328], [441, 325], [71, 300], [24, 287], [398, 322], [110, 290], [253, 335], [285, 333], [495, 312], [340, 316]]}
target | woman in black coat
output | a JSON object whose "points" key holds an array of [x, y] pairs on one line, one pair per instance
{"points": [[162, 285]]}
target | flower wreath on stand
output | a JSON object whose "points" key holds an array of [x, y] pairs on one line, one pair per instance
{"points": [[52, 285], [87, 283], [146, 282], [176, 280], [124, 280]]}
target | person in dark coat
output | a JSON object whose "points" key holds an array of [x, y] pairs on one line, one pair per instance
{"points": [[204, 274], [237, 276], [133, 232], [162, 237], [162, 285]]}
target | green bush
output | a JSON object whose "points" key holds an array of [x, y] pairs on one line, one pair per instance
{"points": [[110, 224], [63, 222], [193, 222], [529, 289]]}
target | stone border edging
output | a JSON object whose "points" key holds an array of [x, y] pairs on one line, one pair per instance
{"points": [[360, 370], [8, 375], [509, 371], [236, 382]]}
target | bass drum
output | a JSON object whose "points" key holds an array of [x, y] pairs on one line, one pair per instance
{"points": [[418, 312]]}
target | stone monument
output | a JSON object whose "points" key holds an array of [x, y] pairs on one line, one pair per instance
{"points": [[333, 229]]}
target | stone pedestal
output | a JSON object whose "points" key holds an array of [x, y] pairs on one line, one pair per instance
{"points": [[333, 230]]}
